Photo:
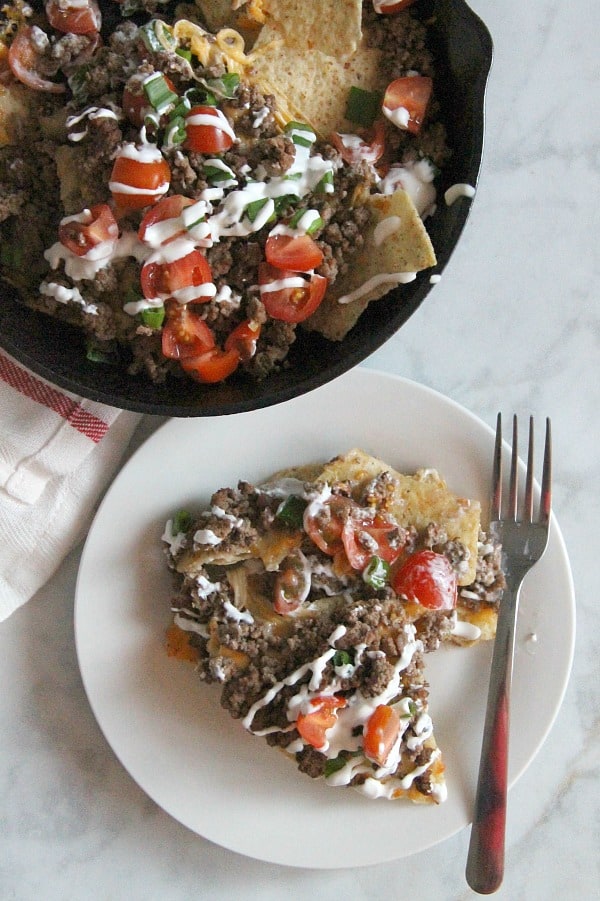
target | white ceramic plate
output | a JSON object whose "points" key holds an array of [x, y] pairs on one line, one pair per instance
{"points": [[167, 727]]}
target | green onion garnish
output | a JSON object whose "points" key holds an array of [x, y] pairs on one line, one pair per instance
{"points": [[314, 226], [254, 208], [184, 54], [158, 92], [182, 520], [325, 186], [226, 86], [342, 658], [302, 135], [153, 317], [291, 511], [376, 573], [363, 107]]}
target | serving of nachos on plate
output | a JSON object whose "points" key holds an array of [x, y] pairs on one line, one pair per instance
{"points": [[313, 599]]}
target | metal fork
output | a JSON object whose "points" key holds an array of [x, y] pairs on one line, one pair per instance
{"points": [[523, 543]]}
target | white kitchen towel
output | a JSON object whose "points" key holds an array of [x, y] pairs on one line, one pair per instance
{"points": [[58, 453]]}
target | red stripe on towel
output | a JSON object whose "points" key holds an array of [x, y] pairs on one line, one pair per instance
{"points": [[23, 381]]}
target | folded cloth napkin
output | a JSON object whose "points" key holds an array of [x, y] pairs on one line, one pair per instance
{"points": [[57, 454]]}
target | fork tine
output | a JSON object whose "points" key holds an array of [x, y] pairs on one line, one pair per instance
{"points": [[528, 502], [514, 474], [496, 499], [546, 491]]}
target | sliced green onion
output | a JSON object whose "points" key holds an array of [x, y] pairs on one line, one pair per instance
{"points": [[95, 355], [342, 658], [291, 511], [215, 173], [254, 208], [334, 764], [283, 202], [181, 522], [363, 107], [153, 317], [176, 131], [325, 186], [316, 224], [184, 54], [302, 135], [164, 35], [376, 573], [79, 84], [158, 92], [147, 32], [226, 86]]}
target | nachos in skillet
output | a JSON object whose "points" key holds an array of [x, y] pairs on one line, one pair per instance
{"points": [[199, 196], [312, 600]]}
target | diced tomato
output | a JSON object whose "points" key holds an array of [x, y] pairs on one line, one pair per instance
{"points": [[296, 252], [205, 137], [185, 334], [380, 734], [136, 168], [243, 339], [26, 63], [369, 146], [324, 523], [365, 537], [213, 366], [81, 18], [167, 208], [428, 579], [288, 296], [173, 279], [135, 103], [292, 584], [322, 716], [411, 94], [97, 225], [388, 7]]}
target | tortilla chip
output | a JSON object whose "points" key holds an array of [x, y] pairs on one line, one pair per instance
{"points": [[332, 27], [418, 500], [312, 87], [402, 252]]}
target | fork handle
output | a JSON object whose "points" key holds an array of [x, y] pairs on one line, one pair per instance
{"points": [[485, 860]]}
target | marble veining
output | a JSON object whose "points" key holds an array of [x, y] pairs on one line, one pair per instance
{"points": [[514, 324]]}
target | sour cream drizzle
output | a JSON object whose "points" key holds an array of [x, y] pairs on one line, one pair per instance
{"points": [[458, 190]]}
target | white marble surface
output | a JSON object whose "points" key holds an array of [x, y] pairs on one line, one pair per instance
{"points": [[514, 325]]}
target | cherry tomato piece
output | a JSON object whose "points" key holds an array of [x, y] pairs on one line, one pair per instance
{"points": [[92, 227], [177, 278], [214, 365], [299, 253], [288, 296], [428, 579], [141, 169], [185, 334], [406, 100], [324, 523], [243, 339], [167, 210], [292, 584], [208, 130], [81, 18], [380, 734], [366, 537], [369, 146], [25, 63], [322, 715]]}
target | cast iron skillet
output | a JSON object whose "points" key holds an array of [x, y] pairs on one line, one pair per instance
{"points": [[463, 49]]}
